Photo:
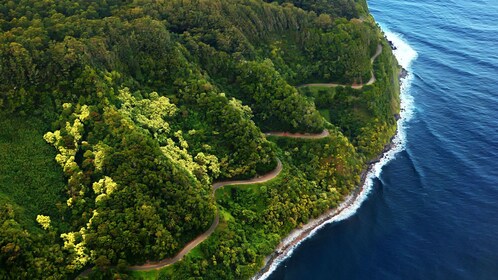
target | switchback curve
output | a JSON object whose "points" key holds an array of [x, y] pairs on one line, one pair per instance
{"points": [[192, 244], [360, 86], [148, 266], [259, 179]]}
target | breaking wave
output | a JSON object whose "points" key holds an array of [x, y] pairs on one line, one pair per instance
{"points": [[405, 55]]}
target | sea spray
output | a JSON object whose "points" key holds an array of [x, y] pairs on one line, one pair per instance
{"points": [[405, 56]]}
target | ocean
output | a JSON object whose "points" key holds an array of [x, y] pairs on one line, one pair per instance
{"points": [[430, 208]]}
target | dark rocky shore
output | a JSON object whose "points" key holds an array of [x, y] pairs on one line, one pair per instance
{"points": [[403, 73], [286, 245], [291, 241]]}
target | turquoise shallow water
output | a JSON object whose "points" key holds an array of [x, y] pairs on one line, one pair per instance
{"points": [[433, 211]]}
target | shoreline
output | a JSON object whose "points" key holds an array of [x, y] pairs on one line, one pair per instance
{"points": [[298, 235], [295, 237]]}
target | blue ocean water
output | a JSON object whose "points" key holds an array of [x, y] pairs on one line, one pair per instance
{"points": [[432, 213]]}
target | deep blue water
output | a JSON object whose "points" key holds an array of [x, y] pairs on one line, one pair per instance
{"points": [[433, 212]]}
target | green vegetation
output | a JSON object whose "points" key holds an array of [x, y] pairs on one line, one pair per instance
{"points": [[116, 117], [147, 275], [367, 116], [325, 114], [322, 96], [30, 180], [318, 174]]}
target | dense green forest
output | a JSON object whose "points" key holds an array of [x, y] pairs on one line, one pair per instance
{"points": [[117, 116]]}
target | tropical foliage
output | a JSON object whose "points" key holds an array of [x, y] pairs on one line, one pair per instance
{"points": [[116, 118]]}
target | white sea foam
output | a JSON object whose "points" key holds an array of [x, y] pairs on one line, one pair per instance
{"points": [[405, 55]]}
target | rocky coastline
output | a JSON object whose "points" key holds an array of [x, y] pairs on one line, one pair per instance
{"points": [[300, 234]]}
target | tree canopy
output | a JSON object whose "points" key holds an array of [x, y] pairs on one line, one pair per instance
{"points": [[128, 111]]}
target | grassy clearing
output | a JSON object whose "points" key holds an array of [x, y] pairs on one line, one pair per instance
{"points": [[145, 275], [225, 216], [196, 252], [323, 97], [315, 91], [30, 179], [325, 114]]}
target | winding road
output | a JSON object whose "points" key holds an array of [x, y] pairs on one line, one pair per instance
{"points": [[323, 134], [199, 239], [192, 244], [360, 86], [259, 179]]}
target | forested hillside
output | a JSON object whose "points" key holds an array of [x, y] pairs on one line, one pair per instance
{"points": [[117, 116]]}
